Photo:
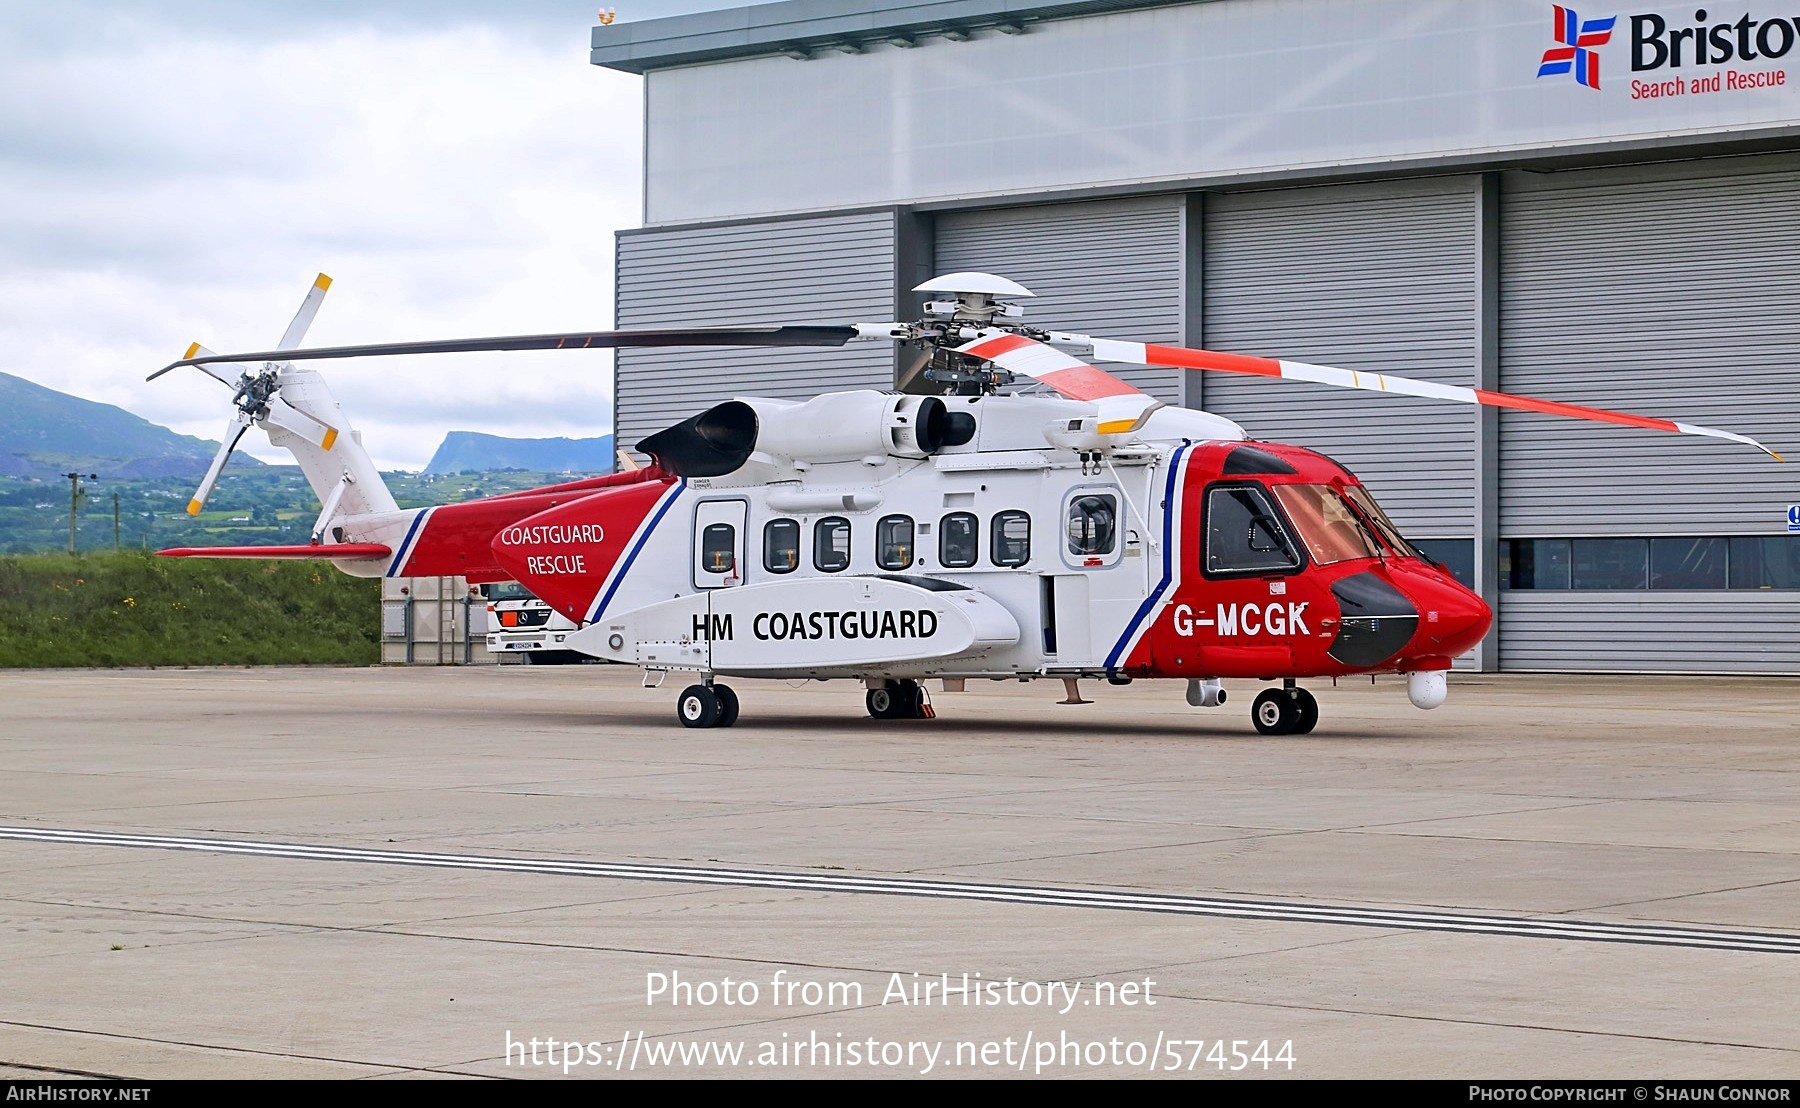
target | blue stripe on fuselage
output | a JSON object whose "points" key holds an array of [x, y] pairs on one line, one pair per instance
{"points": [[668, 502], [405, 550], [1171, 519]]}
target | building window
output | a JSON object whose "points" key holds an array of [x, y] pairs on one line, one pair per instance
{"points": [[1244, 533], [1534, 564], [1608, 564], [1689, 563], [894, 542], [1455, 555], [1771, 562], [781, 545], [831, 544], [957, 540], [1011, 542], [718, 548]]}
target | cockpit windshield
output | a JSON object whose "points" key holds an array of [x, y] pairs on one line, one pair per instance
{"points": [[1371, 511], [1338, 525]]}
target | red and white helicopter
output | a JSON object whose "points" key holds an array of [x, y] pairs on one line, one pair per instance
{"points": [[1078, 529]]}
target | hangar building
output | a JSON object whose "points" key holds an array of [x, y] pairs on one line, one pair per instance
{"points": [[1598, 205]]}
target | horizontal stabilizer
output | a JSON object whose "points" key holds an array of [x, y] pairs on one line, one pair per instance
{"points": [[332, 551]]}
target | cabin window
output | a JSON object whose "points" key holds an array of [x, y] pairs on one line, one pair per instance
{"points": [[894, 542], [781, 545], [957, 540], [1093, 524], [718, 548], [1244, 533], [1011, 542], [831, 544]]}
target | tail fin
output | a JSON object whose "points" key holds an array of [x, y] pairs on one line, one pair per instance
{"points": [[340, 471]]}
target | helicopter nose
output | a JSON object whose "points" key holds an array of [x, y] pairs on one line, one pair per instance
{"points": [[1452, 618]]}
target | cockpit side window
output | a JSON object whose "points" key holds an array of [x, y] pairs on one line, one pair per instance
{"points": [[1245, 533]]}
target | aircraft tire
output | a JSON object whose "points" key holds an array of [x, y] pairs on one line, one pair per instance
{"points": [[1275, 712], [728, 705], [698, 707], [909, 701], [1308, 714], [883, 703]]}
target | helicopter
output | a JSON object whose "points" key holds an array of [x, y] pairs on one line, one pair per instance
{"points": [[1011, 512]]}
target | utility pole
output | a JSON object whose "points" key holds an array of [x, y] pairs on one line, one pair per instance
{"points": [[76, 492], [115, 523]]}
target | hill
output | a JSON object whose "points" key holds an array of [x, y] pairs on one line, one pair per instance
{"points": [[473, 452], [44, 432]]}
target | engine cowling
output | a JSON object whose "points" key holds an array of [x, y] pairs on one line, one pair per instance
{"points": [[836, 427]]}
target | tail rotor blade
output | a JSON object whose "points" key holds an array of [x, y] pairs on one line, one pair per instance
{"points": [[285, 417], [303, 318], [225, 373], [233, 432]]}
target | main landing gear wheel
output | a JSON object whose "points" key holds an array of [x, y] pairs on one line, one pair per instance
{"points": [[707, 706], [1281, 712], [728, 705], [896, 700]]}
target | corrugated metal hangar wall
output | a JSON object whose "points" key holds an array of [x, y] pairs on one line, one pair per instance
{"points": [[1602, 296]]}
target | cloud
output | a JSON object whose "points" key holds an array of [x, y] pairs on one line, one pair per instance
{"points": [[180, 171]]}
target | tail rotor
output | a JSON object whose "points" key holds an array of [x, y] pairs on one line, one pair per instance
{"points": [[258, 398]]}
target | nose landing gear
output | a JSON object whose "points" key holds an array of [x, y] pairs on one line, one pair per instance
{"points": [[1290, 710]]}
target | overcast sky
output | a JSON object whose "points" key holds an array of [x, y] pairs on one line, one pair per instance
{"points": [[175, 171]]}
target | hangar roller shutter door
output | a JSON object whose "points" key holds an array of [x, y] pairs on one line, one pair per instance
{"points": [[1366, 277], [1648, 632], [1669, 291], [1107, 267], [832, 269]]}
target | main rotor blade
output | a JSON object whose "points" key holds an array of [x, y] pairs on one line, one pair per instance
{"points": [[234, 431], [303, 318], [1179, 357], [572, 340], [1122, 407]]}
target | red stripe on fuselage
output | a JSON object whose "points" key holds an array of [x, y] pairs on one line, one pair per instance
{"points": [[456, 541], [565, 553]]}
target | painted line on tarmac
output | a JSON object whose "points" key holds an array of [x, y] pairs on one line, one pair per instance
{"points": [[1574, 930]]}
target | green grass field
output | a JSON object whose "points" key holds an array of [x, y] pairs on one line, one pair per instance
{"points": [[136, 609]]}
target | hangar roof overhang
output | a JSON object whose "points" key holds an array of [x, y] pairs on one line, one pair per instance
{"points": [[802, 28]]}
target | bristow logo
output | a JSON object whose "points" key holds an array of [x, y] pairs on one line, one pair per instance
{"points": [[1577, 38]]}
